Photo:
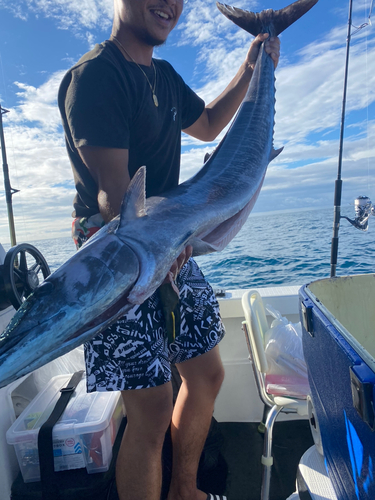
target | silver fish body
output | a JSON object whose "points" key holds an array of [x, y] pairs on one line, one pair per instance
{"points": [[128, 259]]}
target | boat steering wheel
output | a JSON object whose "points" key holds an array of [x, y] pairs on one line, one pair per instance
{"points": [[24, 269]]}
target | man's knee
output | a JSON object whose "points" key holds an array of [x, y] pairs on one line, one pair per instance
{"points": [[149, 411], [215, 377], [205, 372]]}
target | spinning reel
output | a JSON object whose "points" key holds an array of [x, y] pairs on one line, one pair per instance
{"points": [[24, 268], [363, 209]]}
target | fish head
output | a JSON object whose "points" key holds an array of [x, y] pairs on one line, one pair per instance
{"points": [[76, 302]]}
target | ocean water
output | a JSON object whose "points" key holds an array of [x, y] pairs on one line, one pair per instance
{"points": [[272, 249]]}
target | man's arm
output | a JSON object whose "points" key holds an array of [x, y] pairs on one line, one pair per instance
{"points": [[219, 112], [109, 168]]}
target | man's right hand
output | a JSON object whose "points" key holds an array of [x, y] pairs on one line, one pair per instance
{"points": [[181, 260]]}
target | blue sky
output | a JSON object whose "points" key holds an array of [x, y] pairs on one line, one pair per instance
{"points": [[41, 39]]}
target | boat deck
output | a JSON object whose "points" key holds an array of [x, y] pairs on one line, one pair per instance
{"points": [[238, 476], [243, 447], [238, 472]]}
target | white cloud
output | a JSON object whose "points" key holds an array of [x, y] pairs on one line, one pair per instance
{"points": [[38, 163], [69, 14], [38, 104], [192, 161], [309, 96]]}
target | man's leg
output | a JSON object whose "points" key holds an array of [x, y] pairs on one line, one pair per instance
{"points": [[138, 468], [202, 377]]}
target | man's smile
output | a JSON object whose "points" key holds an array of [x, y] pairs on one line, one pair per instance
{"points": [[163, 15]]}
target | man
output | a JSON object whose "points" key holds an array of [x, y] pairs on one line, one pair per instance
{"points": [[121, 110]]}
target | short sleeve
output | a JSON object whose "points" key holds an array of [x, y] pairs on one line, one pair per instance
{"points": [[193, 106]]}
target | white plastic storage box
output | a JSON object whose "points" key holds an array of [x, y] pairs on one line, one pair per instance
{"points": [[83, 437]]}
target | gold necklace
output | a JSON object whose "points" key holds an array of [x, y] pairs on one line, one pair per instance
{"points": [[154, 97]]}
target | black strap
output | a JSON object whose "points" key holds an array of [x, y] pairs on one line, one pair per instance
{"points": [[50, 490]]}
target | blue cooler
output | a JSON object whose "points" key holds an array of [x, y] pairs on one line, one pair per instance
{"points": [[338, 324]]}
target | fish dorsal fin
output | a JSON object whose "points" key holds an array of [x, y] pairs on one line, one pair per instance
{"points": [[274, 153], [134, 202], [267, 21]]}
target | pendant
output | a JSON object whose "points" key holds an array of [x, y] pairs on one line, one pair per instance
{"points": [[156, 102]]}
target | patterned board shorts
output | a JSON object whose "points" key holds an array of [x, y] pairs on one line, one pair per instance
{"points": [[134, 352]]}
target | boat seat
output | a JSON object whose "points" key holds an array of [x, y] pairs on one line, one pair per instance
{"points": [[280, 393]]}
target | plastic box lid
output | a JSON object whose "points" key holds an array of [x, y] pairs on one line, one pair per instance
{"points": [[85, 412]]}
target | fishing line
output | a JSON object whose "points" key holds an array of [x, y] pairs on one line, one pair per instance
{"points": [[368, 23], [359, 28], [363, 205], [369, 15], [367, 89], [368, 104]]}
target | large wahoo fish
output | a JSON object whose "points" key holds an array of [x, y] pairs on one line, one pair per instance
{"points": [[127, 260]]}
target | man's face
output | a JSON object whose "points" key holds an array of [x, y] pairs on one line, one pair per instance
{"points": [[152, 20]]}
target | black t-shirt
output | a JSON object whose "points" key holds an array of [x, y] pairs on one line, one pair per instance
{"points": [[106, 101]]}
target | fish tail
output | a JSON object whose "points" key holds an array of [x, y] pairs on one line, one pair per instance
{"points": [[268, 21]]}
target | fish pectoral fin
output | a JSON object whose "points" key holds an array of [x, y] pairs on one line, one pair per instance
{"points": [[274, 153], [218, 237], [134, 202], [201, 247]]}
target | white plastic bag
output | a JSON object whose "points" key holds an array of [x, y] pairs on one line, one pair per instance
{"points": [[287, 370]]}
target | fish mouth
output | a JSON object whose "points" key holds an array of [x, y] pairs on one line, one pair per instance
{"points": [[97, 325], [11, 338]]}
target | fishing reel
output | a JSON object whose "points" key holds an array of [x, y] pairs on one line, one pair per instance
{"points": [[363, 210], [23, 269]]}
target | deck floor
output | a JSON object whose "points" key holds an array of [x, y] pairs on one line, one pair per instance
{"points": [[242, 449], [237, 472]]}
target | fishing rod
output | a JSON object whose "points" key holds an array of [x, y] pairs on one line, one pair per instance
{"points": [[363, 206], [9, 191]]}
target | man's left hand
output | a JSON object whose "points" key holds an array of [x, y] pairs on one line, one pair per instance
{"points": [[271, 46]]}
